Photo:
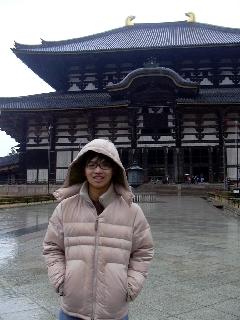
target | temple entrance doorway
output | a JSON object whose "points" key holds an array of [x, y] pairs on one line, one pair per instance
{"points": [[202, 164]]}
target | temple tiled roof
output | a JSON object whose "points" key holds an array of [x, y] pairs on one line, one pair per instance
{"points": [[58, 101], [9, 160], [214, 96], [142, 36]]}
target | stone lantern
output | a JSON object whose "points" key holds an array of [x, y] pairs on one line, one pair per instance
{"points": [[135, 175]]}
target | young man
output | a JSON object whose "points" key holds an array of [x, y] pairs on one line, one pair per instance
{"points": [[98, 245]]}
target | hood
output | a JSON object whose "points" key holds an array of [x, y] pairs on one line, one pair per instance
{"points": [[75, 175]]}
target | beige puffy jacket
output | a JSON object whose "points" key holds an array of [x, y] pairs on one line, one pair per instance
{"points": [[100, 261]]}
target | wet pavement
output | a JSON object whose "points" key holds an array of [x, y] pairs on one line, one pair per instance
{"points": [[195, 273]]}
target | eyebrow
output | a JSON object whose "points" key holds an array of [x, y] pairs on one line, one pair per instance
{"points": [[98, 159]]}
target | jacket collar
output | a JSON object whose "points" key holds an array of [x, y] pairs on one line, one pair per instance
{"points": [[105, 199]]}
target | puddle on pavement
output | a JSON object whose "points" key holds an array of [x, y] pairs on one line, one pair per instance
{"points": [[8, 250]]}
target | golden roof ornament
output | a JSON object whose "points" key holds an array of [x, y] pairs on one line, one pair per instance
{"points": [[191, 16], [129, 21]]}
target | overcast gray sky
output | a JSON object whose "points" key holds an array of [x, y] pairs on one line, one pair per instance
{"points": [[27, 21]]}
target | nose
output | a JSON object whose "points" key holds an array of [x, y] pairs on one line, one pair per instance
{"points": [[98, 169]]}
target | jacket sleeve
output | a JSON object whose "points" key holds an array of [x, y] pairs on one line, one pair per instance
{"points": [[141, 255], [53, 249]]}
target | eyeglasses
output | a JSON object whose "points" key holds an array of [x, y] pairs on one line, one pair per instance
{"points": [[103, 164]]}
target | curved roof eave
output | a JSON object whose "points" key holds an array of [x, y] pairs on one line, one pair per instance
{"points": [[97, 51]]}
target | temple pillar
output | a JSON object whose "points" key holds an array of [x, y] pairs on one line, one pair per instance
{"points": [[91, 126], [221, 151], [52, 152], [145, 163], [177, 156], [190, 162], [176, 164], [22, 173], [166, 161], [210, 164], [130, 157], [181, 165]]}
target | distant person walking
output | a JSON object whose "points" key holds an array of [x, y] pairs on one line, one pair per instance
{"points": [[98, 244]]}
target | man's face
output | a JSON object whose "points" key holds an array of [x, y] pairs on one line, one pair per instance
{"points": [[98, 172]]}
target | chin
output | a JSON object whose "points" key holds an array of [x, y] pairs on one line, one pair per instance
{"points": [[100, 185]]}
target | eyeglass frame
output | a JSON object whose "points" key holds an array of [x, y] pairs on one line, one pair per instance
{"points": [[98, 164]]}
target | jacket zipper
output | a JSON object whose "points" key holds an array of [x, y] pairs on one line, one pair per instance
{"points": [[95, 269]]}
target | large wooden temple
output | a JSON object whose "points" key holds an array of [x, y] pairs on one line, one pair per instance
{"points": [[167, 95]]}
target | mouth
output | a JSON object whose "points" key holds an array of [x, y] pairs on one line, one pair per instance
{"points": [[98, 178]]}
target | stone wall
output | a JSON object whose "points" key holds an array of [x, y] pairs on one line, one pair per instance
{"points": [[25, 190]]}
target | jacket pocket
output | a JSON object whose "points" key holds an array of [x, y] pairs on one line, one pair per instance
{"points": [[76, 287], [115, 290]]}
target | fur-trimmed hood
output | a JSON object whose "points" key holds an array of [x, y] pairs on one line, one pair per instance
{"points": [[75, 177]]}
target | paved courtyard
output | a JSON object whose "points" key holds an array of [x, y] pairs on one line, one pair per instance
{"points": [[195, 273]]}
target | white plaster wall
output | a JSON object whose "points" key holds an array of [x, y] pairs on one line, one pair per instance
{"points": [[226, 81], [37, 147], [43, 175], [189, 123], [232, 173], [189, 130], [210, 137], [63, 140], [63, 158], [60, 175], [31, 175], [121, 124], [122, 139], [31, 141], [198, 144], [210, 131], [62, 133], [232, 156], [102, 132], [209, 122], [145, 138], [63, 147], [166, 138], [206, 82], [122, 131], [81, 141], [189, 137]]}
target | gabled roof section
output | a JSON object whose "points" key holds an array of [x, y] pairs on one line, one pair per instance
{"points": [[141, 36]]}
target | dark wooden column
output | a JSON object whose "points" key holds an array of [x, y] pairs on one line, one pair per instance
{"points": [[166, 161], [130, 157], [132, 122], [22, 174], [178, 163], [52, 151], [210, 164], [91, 126], [222, 150], [145, 163], [100, 81], [190, 162]]}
